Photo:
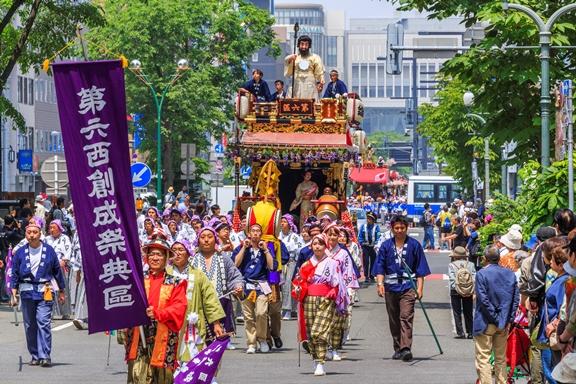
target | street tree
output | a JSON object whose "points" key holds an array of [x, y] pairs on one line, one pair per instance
{"points": [[456, 139], [506, 81], [31, 31], [217, 37]]}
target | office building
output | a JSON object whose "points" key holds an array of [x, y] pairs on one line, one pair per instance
{"points": [[389, 99], [34, 96]]}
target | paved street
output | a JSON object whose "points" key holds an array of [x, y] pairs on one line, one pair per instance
{"points": [[78, 357]]}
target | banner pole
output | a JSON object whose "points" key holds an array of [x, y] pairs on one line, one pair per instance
{"points": [[422, 305]]}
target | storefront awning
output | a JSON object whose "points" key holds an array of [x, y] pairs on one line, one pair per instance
{"points": [[370, 175], [282, 139]]}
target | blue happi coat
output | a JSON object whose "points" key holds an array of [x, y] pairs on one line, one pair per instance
{"points": [[30, 286], [389, 264]]}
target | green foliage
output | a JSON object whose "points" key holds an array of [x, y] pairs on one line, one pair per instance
{"points": [[456, 138], [505, 212], [216, 36], [542, 194], [506, 82], [377, 138], [53, 27]]}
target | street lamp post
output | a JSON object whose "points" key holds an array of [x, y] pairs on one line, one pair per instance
{"points": [[545, 40], [136, 68], [468, 102]]}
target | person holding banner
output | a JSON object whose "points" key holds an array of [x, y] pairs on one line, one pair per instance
{"points": [[156, 361], [321, 295], [35, 268], [203, 305]]}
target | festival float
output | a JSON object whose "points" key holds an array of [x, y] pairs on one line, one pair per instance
{"points": [[297, 136]]}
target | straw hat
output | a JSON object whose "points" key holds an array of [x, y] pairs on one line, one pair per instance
{"points": [[459, 252], [512, 240], [565, 371]]}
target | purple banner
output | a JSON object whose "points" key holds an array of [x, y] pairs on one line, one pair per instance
{"points": [[92, 108], [202, 368]]}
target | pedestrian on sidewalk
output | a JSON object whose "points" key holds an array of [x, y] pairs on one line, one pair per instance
{"points": [[368, 236], [461, 275], [400, 265], [497, 300], [428, 222], [34, 267]]}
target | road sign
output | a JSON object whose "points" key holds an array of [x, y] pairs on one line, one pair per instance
{"points": [[188, 167], [55, 174], [566, 85], [218, 167], [25, 157], [245, 172], [141, 175], [218, 148], [187, 150]]}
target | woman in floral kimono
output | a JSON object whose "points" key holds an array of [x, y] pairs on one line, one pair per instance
{"points": [[348, 274], [321, 294], [220, 270]]}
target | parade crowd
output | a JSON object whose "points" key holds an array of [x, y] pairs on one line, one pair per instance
{"points": [[515, 296], [206, 271], [202, 275]]}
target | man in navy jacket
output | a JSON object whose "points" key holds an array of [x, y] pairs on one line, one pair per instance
{"points": [[335, 86], [497, 300], [35, 267]]}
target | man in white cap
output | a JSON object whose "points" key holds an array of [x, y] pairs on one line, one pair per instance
{"points": [[39, 208], [508, 245]]}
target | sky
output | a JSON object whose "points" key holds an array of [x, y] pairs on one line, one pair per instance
{"points": [[352, 8]]}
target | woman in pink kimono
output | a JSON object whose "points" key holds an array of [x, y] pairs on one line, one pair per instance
{"points": [[350, 279], [321, 293]]}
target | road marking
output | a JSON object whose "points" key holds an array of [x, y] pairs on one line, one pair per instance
{"points": [[63, 326], [437, 276]]}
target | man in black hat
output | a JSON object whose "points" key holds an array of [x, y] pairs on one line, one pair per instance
{"points": [[368, 236], [308, 73]]}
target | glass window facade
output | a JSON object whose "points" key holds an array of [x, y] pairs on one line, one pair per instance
{"points": [[25, 90], [302, 16]]}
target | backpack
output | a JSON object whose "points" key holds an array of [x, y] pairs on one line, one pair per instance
{"points": [[447, 224], [464, 282], [423, 220]]}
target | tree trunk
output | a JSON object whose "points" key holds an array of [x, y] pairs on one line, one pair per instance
{"points": [[8, 16], [17, 51]]}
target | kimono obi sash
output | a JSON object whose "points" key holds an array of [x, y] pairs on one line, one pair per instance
{"points": [[319, 289]]}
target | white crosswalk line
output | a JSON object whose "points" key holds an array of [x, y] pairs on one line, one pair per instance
{"points": [[63, 326]]}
